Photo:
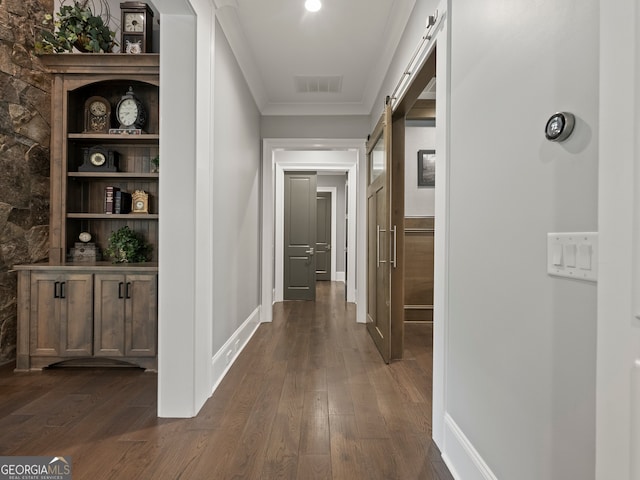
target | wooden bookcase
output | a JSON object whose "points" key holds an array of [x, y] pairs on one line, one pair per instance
{"points": [[118, 303]]}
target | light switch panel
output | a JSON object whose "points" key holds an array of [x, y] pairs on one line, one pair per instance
{"points": [[573, 255]]}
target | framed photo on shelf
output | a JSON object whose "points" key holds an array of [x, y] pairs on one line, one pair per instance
{"points": [[426, 168]]}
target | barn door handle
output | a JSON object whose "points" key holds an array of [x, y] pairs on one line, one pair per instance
{"points": [[378, 246], [395, 249], [128, 290], [62, 292], [378, 261], [120, 285], [56, 285]]}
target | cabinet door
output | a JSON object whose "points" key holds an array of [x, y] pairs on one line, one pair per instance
{"points": [[109, 313], [61, 314], [141, 315], [45, 314], [76, 315]]}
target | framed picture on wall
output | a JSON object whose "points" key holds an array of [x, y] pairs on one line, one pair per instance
{"points": [[426, 168]]}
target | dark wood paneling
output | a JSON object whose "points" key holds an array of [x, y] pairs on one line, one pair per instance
{"points": [[422, 110], [419, 248]]}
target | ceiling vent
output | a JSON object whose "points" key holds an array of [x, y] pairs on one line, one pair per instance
{"points": [[318, 83]]}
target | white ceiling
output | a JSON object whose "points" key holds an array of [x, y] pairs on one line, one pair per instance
{"points": [[352, 41]]}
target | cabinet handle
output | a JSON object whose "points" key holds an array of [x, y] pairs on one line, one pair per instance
{"points": [[128, 290], [55, 290], [120, 285], [62, 292]]}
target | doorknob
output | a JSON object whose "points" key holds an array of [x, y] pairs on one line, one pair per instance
{"points": [[328, 247], [310, 251]]}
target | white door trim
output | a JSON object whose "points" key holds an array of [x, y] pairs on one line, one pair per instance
{"points": [[440, 39], [334, 225], [272, 181]]}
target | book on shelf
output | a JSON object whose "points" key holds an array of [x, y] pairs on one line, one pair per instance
{"points": [[122, 202], [109, 199]]}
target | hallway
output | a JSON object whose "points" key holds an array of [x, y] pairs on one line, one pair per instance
{"points": [[309, 397]]}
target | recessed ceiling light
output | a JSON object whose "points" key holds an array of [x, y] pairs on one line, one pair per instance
{"points": [[313, 5]]}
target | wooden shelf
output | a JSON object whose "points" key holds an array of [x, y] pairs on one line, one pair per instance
{"points": [[100, 64], [102, 266], [124, 175], [115, 138], [114, 216]]}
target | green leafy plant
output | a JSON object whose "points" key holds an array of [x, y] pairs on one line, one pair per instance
{"points": [[126, 246], [76, 26]]}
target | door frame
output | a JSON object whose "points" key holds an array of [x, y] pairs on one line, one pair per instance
{"points": [[334, 224], [273, 169], [443, 429]]}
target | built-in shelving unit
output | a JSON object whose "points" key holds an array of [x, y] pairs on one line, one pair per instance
{"points": [[87, 310]]}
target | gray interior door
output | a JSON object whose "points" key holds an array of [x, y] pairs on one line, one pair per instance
{"points": [[300, 235], [323, 236]]}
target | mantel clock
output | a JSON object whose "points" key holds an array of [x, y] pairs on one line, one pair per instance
{"points": [[137, 27]]}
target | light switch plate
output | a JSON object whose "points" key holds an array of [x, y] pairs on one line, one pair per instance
{"points": [[580, 255]]}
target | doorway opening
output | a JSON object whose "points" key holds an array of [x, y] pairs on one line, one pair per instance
{"points": [[325, 156]]}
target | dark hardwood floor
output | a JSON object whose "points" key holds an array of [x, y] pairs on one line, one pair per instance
{"points": [[308, 398]]}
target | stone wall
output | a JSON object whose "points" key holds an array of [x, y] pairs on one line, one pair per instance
{"points": [[25, 105]]}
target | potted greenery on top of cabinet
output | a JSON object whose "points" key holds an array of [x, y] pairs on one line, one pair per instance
{"points": [[78, 26]]}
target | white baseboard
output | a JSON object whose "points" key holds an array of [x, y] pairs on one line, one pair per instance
{"points": [[340, 277], [460, 456], [224, 358]]}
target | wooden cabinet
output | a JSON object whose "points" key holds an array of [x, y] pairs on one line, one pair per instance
{"points": [[94, 311], [125, 315], [75, 313]]}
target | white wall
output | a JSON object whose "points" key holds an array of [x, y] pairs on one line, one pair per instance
{"points": [[418, 201], [521, 344], [185, 270], [209, 230], [413, 33], [236, 197], [337, 181], [352, 126], [618, 356]]}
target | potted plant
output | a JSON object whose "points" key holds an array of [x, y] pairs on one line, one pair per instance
{"points": [[76, 26], [126, 246]]}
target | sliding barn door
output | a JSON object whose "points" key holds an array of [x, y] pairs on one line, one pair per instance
{"points": [[379, 236]]}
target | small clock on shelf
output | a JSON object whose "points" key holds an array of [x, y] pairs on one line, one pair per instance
{"points": [[139, 202], [99, 159], [130, 112], [84, 250], [137, 27], [97, 115]]}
